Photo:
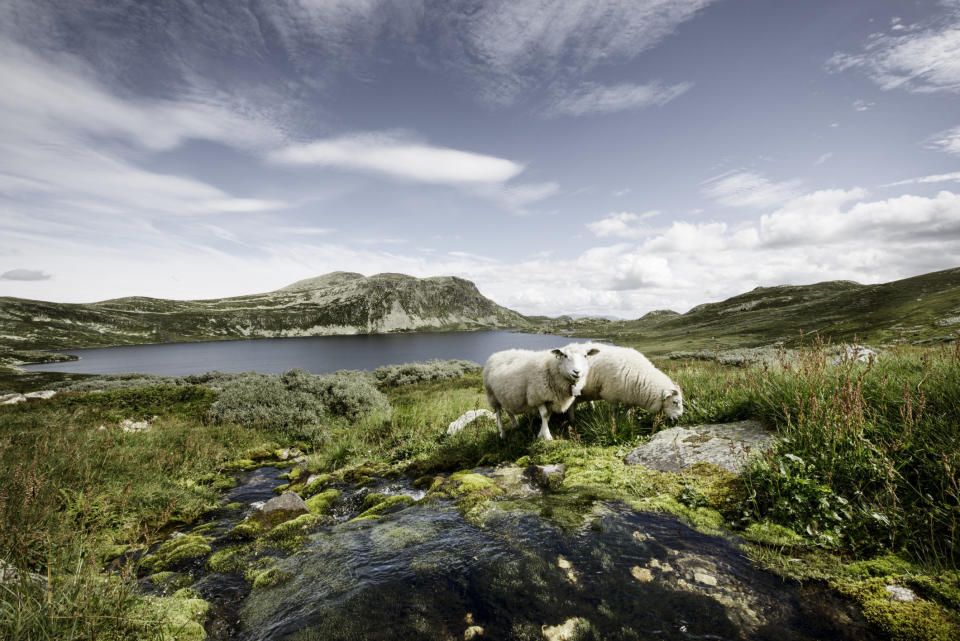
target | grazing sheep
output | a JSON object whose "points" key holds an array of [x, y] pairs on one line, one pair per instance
{"points": [[524, 381], [624, 375]]}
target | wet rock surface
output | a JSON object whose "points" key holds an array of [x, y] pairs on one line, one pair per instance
{"points": [[727, 445], [429, 568]]}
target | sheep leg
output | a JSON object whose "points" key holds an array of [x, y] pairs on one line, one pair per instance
{"points": [[571, 411], [516, 423], [614, 406], [499, 422], [545, 423]]}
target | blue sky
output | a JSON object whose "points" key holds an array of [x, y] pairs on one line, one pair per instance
{"points": [[604, 157]]}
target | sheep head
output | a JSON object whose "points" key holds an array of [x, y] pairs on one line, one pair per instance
{"points": [[671, 402], [573, 361]]}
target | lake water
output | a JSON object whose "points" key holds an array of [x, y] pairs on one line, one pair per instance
{"points": [[316, 354]]}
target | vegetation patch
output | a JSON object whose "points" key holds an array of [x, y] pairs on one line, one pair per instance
{"points": [[176, 551]]}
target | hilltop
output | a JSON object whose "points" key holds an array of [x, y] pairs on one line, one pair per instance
{"points": [[913, 310], [335, 303]]}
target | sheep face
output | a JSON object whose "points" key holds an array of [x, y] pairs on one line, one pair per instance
{"points": [[573, 362], [672, 403]]}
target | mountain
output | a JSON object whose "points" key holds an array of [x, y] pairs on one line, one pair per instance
{"points": [[335, 303], [914, 310]]}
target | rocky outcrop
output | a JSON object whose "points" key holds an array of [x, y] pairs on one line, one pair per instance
{"points": [[727, 445]]}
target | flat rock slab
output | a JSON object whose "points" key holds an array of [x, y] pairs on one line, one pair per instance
{"points": [[727, 445]]}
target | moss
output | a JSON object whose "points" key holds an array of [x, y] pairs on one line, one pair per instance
{"points": [[703, 519], [799, 564], [321, 503], [918, 620], [315, 485], [181, 616], [175, 551], [773, 534], [259, 453], [227, 559], [280, 489], [889, 565], [239, 465], [109, 551], [246, 529], [216, 481], [289, 535], [293, 475], [386, 504], [360, 474], [204, 528], [270, 578], [170, 581], [234, 506], [943, 588], [423, 481]]}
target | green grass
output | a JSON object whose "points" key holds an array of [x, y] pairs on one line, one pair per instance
{"points": [[868, 467]]}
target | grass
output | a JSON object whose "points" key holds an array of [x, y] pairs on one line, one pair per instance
{"points": [[869, 467]]}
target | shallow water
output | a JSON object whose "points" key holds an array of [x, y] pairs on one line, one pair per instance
{"points": [[317, 354], [427, 573]]}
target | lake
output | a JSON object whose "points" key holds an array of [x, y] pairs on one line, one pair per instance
{"points": [[316, 354]]}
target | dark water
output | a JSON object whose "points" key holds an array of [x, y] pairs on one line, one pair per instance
{"points": [[317, 354]]}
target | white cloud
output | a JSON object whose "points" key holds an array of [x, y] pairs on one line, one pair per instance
{"points": [[823, 158], [936, 178], [863, 105], [591, 98], [390, 154], [948, 141], [749, 189], [622, 225], [924, 60]]}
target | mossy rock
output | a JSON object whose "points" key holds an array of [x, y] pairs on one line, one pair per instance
{"points": [[289, 535], [181, 616], [227, 559], [246, 530], [361, 474], [918, 620], [773, 534], [293, 475], [259, 453], [234, 506], [321, 503], [423, 482], [381, 505], [239, 465], [175, 552], [315, 485], [170, 581], [270, 578], [889, 565], [280, 489]]}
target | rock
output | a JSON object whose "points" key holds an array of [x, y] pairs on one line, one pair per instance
{"points": [[466, 419], [566, 631], [703, 577], [10, 575], [42, 394], [288, 501], [11, 399], [549, 477], [472, 632], [129, 425], [514, 481], [102, 428], [857, 353], [644, 575], [288, 453], [900, 593], [726, 445]]}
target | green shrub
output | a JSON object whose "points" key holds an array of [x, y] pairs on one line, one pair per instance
{"points": [[264, 401], [435, 370], [349, 394]]}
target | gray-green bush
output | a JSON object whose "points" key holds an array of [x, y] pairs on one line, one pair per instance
{"points": [[435, 370]]}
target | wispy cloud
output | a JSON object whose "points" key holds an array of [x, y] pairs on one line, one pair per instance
{"points": [[948, 141], [592, 98], [394, 155], [823, 158], [935, 178], [25, 274], [923, 60], [749, 189]]}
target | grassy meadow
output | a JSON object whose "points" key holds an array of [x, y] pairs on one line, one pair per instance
{"points": [[863, 490]]}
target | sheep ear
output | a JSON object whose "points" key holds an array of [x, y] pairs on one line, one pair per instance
{"points": [[673, 392], [593, 351], [558, 353]]}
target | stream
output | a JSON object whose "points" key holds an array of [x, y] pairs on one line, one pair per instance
{"points": [[426, 572]]}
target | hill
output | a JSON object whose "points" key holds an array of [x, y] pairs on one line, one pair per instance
{"points": [[335, 303], [913, 310]]}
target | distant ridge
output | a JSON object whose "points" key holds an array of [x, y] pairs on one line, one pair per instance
{"points": [[334, 303]]}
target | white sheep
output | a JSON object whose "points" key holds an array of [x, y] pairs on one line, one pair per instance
{"points": [[624, 375], [524, 381]]}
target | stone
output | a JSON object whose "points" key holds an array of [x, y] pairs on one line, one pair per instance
{"points": [[857, 353], [12, 399], [472, 632], [726, 445], [10, 575], [703, 577], [466, 419], [566, 631], [644, 575], [42, 394], [288, 453], [129, 425], [514, 481], [289, 501], [549, 477], [900, 593]]}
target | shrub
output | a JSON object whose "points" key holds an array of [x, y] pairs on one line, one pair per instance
{"points": [[264, 401], [435, 370], [348, 394]]}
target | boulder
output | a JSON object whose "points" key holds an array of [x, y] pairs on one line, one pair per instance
{"points": [[41, 394], [11, 399], [857, 353], [466, 419], [727, 445], [288, 501], [549, 477]]}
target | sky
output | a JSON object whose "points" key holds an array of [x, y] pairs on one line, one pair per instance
{"points": [[606, 157]]}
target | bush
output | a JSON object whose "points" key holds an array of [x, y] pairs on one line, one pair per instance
{"points": [[435, 370], [349, 394], [264, 401]]}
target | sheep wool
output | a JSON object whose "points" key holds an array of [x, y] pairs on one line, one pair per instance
{"points": [[624, 375], [523, 381]]}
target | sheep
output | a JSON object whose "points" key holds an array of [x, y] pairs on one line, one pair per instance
{"points": [[624, 375], [524, 381]]}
